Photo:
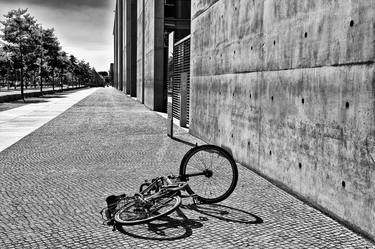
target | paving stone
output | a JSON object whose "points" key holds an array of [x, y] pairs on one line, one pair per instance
{"points": [[54, 183]]}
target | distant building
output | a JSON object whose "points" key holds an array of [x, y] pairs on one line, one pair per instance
{"points": [[97, 79], [141, 52]]}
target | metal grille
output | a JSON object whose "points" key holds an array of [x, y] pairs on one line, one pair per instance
{"points": [[181, 64]]}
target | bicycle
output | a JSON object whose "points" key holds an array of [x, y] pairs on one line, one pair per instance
{"points": [[208, 173]]}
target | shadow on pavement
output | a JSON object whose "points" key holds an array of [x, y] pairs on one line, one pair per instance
{"points": [[34, 100], [180, 226], [166, 228], [226, 213], [183, 141], [57, 95], [4, 106]]}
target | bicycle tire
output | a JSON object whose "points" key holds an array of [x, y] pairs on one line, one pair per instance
{"points": [[203, 186], [127, 215]]}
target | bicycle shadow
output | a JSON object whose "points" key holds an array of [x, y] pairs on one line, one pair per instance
{"points": [[172, 227], [178, 226], [226, 213]]}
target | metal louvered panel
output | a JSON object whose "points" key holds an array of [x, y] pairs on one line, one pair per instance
{"points": [[181, 62]]}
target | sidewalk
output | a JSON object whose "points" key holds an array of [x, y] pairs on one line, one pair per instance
{"points": [[19, 122], [54, 181], [12, 95]]}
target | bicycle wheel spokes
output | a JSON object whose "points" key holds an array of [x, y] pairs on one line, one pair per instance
{"points": [[210, 186], [133, 212], [211, 172], [137, 213], [161, 205]]}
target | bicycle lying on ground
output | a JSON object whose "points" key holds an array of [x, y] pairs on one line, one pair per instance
{"points": [[208, 174]]}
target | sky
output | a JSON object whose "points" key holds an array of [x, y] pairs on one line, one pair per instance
{"points": [[83, 27]]}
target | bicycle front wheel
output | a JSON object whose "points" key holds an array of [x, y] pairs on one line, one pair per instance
{"points": [[135, 213], [211, 173]]}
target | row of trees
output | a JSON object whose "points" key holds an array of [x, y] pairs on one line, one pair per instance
{"points": [[31, 55]]}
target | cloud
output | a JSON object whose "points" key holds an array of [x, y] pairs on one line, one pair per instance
{"points": [[82, 27], [66, 4]]}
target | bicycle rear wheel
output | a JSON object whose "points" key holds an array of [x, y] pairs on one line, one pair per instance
{"points": [[135, 213], [211, 173]]}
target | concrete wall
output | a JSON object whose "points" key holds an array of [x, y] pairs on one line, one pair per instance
{"points": [[120, 37], [289, 87], [150, 59], [119, 46], [122, 42], [140, 50], [115, 81], [130, 47]]}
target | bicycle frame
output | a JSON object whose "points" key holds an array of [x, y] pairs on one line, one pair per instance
{"points": [[162, 186]]}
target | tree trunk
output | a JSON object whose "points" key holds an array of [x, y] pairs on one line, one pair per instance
{"points": [[8, 71], [15, 82], [61, 83], [26, 82], [53, 82], [34, 79], [22, 95], [41, 82]]}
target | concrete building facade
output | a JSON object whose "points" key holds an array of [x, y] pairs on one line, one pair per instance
{"points": [[287, 86], [140, 32], [150, 54], [124, 29]]}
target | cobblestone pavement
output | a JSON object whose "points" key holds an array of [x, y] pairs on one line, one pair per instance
{"points": [[55, 180]]}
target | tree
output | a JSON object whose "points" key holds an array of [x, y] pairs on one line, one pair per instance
{"points": [[73, 67], [62, 65], [33, 59], [3, 64], [85, 71], [18, 32], [52, 52]]}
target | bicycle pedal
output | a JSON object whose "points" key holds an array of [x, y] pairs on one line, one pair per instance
{"points": [[114, 228], [195, 199], [110, 222]]}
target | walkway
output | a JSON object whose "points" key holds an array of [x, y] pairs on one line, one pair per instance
{"points": [[54, 181], [12, 95], [19, 122]]}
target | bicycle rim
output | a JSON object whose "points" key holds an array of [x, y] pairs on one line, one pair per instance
{"points": [[213, 188], [134, 213]]}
